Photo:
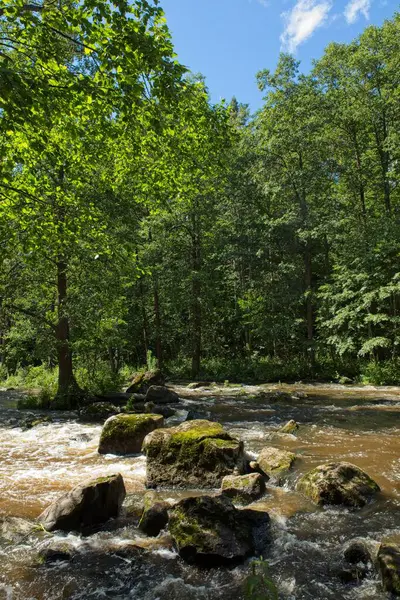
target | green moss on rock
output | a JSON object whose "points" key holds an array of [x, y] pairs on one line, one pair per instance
{"points": [[243, 488], [195, 454], [389, 566], [124, 433], [274, 462], [210, 531], [338, 484]]}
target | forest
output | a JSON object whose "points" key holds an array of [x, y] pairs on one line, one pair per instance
{"points": [[142, 224]]}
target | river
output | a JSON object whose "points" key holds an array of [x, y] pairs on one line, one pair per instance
{"points": [[357, 424]]}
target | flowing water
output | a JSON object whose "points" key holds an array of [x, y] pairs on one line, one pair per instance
{"points": [[359, 425]]}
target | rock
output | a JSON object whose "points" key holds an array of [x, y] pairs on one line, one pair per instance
{"points": [[274, 462], [56, 552], [15, 529], [165, 411], [210, 531], [290, 427], [357, 551], [161, 395], [193, 415], [338, 483], [115, 398], [254, 467], [389, 567], [154, 517], [98, 411], [136, 399], [199, 384], [195, 454], [124, 434], [141, 382], [354, 574], [34, 421], [245, 488], [86, 505]]}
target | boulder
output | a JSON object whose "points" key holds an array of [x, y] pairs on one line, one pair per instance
{"points": [[86, 505], [154, 516], [161, 395], [210, 531], [165, 411], [56, 552], [124, 433], [389, 567], [97, 412], [274, 462], [290, 427], [359, 551], [195, 454], [244, 488], [141, 382], [338, 483]]}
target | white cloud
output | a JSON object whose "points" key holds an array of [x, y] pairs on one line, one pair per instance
{"points": [[301, 22], [356, 7]]}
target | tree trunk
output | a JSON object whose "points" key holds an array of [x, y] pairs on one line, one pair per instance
{"points": [[196, 293], [309, 304], [157, 318], [68, 393]]}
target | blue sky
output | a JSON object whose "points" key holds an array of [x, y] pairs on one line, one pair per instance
{"points": [[228, 41]]}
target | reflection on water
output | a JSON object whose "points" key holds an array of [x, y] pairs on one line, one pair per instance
{"points": [[359, 425]]}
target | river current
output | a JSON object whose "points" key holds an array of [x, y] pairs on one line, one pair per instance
{"points": [[359, 425]]}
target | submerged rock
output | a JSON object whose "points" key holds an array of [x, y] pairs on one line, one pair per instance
{"points": [[338, 483], [274, 462], [124, 433], [290, 427], [389, 567], [359, 551], [192, 455], [161, 395], [245, 488], [141, 382], [210, 531], [86, 505], [199, 384]]}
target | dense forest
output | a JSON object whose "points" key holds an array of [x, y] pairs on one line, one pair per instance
{"points": [[141, 223]]}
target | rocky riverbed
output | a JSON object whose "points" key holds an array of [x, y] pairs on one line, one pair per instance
{"points": [[40, 460]]}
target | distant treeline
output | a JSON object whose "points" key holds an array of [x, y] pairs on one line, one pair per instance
{"points": [[137, 219]]}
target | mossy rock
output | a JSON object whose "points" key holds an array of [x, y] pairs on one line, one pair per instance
{"points": [[338, 484], [291, 427], [97, 412], [243, 488], [124, 433], [159, 394], [274, 462], [389, 566], [195, 454], [154, 517], [142, 381], [210, 531], [85, 506]]}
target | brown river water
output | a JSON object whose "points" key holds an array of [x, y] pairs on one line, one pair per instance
{"points": [[360, 425]]}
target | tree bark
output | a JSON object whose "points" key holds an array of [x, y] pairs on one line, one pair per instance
{"points": [[196, 293], [68, 392], [157, 319]]}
